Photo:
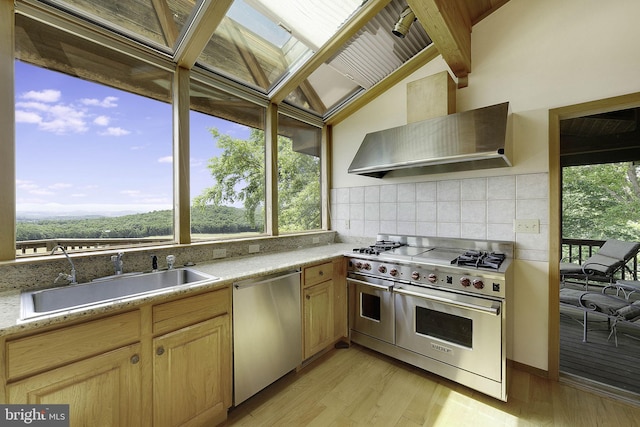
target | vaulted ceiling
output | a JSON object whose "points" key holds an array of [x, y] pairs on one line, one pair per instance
{"points": [[326, 57]]}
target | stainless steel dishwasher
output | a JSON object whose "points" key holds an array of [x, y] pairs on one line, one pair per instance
{"points": [[267, 331]]}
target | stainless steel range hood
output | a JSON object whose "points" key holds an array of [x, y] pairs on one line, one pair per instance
{"points": [[476, 139]]}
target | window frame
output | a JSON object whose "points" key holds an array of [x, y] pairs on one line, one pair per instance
{"points": [[181, 108]]}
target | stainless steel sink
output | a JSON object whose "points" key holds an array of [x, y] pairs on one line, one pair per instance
{"points": [[49, 302]]}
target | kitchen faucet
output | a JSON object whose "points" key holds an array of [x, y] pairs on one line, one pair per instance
{"points": [[71, 278], [118, 264]]}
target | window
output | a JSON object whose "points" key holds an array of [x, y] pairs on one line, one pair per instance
{"points": [[299, 201], [227, 182], [93, 144]]}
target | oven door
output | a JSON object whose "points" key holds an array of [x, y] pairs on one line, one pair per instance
{"points": [[371, 309], [459, 330]]}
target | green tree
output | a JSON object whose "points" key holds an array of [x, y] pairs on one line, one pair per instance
{"points": [[601, 201], [239, 177]]}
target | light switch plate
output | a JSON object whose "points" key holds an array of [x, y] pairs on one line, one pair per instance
{"points": [[526, 226]]}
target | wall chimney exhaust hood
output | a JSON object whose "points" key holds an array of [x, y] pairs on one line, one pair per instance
{"points": [[476, 139]]}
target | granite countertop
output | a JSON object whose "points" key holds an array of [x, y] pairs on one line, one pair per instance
{"points": [[228, 270]]}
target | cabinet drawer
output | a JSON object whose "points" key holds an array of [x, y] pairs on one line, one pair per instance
{"points": [[59, 347], [318, 274], [187, 311]]}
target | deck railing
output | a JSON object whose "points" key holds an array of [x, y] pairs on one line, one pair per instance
{"points": [[578, 250], [33, 247]]}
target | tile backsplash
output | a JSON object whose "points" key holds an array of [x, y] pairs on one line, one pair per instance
{"points": [[476, 208]]}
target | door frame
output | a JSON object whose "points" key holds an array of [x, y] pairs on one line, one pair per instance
{"points": [[555, 207]]}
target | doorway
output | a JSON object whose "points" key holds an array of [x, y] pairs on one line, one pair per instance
{"points": [[584, 143]]}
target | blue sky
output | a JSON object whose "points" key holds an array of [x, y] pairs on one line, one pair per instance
{"points": [[86, 148]]}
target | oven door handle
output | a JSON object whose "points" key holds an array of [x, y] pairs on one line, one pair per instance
{"points": [[485, 310], [373, 285]]}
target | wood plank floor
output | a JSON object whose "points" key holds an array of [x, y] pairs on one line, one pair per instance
{"points": [[359, 387], [599, 359]]}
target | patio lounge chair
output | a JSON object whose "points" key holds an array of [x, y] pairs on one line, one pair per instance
{"points": [[615, 309], [610, 258]]}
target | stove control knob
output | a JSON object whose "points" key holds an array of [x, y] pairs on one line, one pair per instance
{"points": [[367, 266], [415, 275], [432, 278], [382, 269], [464, 281], [358, 265], [394, 272], [478, 284]]}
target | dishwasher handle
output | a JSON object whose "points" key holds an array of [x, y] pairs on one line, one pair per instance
{"points": [[249, 283]]}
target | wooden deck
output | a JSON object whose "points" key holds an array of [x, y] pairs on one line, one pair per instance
{"points": [[599, 359]]}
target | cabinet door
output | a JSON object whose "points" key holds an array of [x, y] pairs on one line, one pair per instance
{"points": [[318, 317], [102, 390], [192, 374]]}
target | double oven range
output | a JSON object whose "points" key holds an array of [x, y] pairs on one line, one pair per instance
{"points": [[436, 303]]}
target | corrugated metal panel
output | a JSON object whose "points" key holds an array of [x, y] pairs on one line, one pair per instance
{"points": [[374, 52]]}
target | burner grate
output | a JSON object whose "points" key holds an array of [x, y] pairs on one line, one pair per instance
{"points": [[480, 259]]}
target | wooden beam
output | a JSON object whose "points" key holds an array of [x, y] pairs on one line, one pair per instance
{"points": [[337, 42], [258, 74], [450, 30], [7, 133], [416, 62], [271, 169], [181, 192], [207, 19], [167, 24]]}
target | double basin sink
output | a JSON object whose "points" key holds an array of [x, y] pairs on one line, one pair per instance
{"points": [[50, 302]]}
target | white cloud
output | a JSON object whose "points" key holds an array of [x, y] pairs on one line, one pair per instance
{"points": [[115, 132], [101, 120], [25, 185], [130, 192], [78, 195], [166, 159], [107, 102], [60, 185], [57, 118], [42, 192], [27, 117], [47, 95]]}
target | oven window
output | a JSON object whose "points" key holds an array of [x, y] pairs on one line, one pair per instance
{"points": [[370, 306], [447, 327]]}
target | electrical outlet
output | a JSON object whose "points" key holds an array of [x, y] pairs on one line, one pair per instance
{"points": [[254, 249], [315, 240], [526, 226], [219, 253]]}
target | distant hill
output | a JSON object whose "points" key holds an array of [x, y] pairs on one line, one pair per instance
{"points": [[207, 220]]}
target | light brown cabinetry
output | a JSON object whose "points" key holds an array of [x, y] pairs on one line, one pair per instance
{"points": [[103, 390], [169, 362], [324, 306], [87, 366], [192, 365]]}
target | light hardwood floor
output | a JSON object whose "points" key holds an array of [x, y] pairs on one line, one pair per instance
{"points": [[359, 387]]}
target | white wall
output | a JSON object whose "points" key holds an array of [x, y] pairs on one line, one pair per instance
{"points": [[537, 55]]}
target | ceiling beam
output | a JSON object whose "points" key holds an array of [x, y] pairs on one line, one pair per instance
{"points": [[412, 65], [200, 30], [167, 24], [450, 30], [337, 42]]}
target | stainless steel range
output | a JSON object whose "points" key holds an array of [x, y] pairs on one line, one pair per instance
{"points": [[436, 303]]}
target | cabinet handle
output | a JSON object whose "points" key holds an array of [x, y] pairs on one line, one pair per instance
{"points": [[135, 359], [160, 351], [308, 296], [320, 273]]}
